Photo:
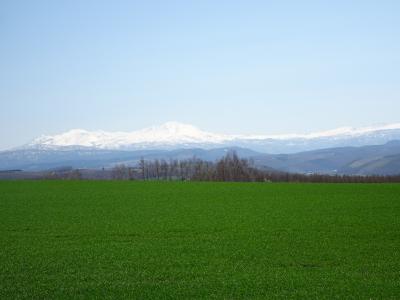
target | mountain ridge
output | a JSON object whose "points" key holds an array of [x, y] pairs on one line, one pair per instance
{"points": [[173, 135]]}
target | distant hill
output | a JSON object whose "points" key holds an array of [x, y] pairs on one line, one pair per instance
{"points": [[44, 159], [366, 160]]}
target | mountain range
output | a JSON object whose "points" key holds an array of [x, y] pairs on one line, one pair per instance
{"points": [[363, 151], [174, 135]]}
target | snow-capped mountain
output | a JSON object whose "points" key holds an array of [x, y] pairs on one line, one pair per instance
{"points": [[172, 135], [169, 134], [290, 152]]}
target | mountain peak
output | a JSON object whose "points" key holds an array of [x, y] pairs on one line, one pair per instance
{"points": [[174, 124], [177, 128]]}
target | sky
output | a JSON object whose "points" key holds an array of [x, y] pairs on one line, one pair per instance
{"points": [[239, 67]]}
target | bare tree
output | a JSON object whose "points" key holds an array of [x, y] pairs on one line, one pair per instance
{"points": [[142, 167], [120, 172]]}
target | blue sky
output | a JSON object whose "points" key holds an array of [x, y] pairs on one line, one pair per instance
{"points": [[225, 66]]}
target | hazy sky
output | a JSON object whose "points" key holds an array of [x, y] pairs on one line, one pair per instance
{"points": [[225, 66]]}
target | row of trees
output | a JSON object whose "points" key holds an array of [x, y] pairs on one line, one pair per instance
{"points": [[63, 173], [228, 168]]}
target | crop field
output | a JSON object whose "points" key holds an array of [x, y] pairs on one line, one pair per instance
{"points": [[152, 240]]}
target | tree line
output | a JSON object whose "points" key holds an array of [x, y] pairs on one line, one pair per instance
{"points": [[229, 168]]}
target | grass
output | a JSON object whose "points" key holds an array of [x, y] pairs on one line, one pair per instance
{"points": [[151, 240]]}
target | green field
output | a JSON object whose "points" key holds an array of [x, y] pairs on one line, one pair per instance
{"points": [[151, 240]]}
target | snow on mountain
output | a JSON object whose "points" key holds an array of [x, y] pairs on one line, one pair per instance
{"points": [[174, 134], [338, 132], [170, 133]]}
